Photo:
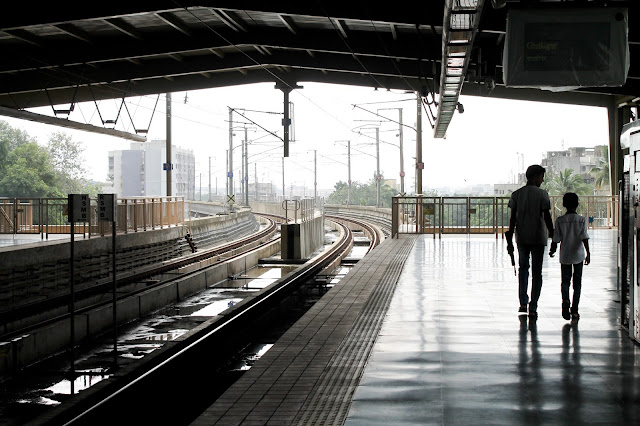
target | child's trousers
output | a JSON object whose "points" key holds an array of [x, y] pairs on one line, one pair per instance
{"points": [[569, 271]]}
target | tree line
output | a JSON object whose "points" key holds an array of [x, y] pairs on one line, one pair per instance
{"points": [[31, 170], [362, 194]]}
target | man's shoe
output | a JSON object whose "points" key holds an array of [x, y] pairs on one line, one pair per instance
{"points": [[575, 316], [533, 315], [566, 314], [523, 308]]}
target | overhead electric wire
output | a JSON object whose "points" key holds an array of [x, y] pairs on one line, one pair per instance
{"points": [[395, 65], [258, 63]]}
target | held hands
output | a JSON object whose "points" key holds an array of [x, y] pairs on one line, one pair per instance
{"points": [[552, 249]]}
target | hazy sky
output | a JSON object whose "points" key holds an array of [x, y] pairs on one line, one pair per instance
{"points": [[488, 143]]}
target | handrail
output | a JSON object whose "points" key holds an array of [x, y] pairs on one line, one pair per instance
{"points": [[50, 216], [484, 215]]}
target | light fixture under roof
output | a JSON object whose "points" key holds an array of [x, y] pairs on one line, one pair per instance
{"points": [[460, 25]]}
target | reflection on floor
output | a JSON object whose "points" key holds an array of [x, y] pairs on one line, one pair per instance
{"points": [[453, 349]]}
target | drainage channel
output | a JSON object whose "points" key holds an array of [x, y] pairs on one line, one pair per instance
{"points": [[45, 385]]}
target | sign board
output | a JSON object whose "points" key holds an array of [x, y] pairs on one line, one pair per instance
{"points": [[420, 166], [229, 174], [562, 49], [231, 199], [401, 174], [429, 209], [106, 207], [79, 207]]}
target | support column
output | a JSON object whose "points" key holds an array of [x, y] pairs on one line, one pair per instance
{"points": [[419, 163], [618, 117], [286, 121], [168, 146], [401, 152], [246, 168], [230, 156], [377, 167], [349, 171]]}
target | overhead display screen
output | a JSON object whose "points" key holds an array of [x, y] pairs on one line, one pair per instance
{"points": [[564, 49]]}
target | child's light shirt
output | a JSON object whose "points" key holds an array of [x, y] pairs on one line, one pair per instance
{"points": [[570, 230]]}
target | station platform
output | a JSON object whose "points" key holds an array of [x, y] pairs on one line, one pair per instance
{"points": [[12, 240], [426, 331]]}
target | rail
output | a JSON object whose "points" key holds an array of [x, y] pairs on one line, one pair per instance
{"points": [[194, 355], [483, 215], [50, 216]]}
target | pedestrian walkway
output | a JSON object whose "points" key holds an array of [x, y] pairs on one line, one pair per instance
{"points": [[441, 342]]}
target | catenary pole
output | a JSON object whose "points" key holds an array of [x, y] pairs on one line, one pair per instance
{"points": [[349, 172], [419, 163], [168, 145], [377, 167]]}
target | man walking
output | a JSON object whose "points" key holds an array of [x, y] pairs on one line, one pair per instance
{"points": [[530, 206]]}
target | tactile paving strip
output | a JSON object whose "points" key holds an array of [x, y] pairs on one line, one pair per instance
{"points": [[331, 397], [311, 373]]}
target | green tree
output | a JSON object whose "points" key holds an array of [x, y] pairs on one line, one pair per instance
{"points": [[601, 169], [361, 194], [66, 156], [28, 169], [10, 139], [29, 173], [566, 181]]}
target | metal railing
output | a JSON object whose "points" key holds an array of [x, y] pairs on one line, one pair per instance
{"points": [[301, 210], [50, 216], [483, 215]]}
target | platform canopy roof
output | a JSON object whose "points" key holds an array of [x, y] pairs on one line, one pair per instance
{"points": [[62, 53]]}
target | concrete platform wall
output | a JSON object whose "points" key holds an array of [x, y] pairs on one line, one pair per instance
{"points": [[300, 240], [31, 347], [52, 251]]}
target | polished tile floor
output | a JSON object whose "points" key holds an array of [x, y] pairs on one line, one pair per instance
{"points": [[454, 350]]}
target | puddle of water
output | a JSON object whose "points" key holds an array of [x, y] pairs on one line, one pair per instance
{"points": [[215, 308], [82, 382], [136, 351], [358, 251], [250, 356], [39, 400]]}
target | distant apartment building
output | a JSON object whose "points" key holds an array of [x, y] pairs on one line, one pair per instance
{"points": [[392, 183], [266, 191], [139, 171], [505, 189], [579, 159]]}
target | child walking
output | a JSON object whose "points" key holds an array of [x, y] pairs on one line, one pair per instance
{"points": [[571, 233]]}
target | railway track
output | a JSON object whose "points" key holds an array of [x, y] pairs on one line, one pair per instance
{"points": [[145, 278], [194, 357], [184, 364]]}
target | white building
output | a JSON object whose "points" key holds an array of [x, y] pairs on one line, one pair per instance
{"points": [[139, 171], [505, 189], [580, 160]]}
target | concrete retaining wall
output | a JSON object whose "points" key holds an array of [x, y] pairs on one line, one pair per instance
{"points": [[52, 251], [39, 344]]}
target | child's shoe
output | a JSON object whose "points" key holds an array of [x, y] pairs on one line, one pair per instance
{"points": [[575, 316]]}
